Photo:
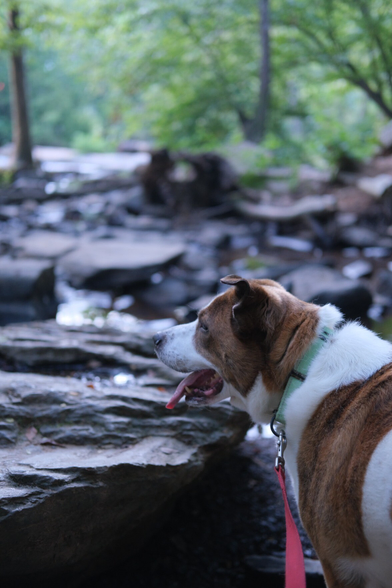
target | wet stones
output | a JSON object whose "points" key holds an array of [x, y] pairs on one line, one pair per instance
{"points": [[26, 290]]}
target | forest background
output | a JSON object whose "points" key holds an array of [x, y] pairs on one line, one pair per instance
{"points": [[304, 80]]}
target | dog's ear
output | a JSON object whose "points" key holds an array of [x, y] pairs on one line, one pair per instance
{"points": [[246, 297], [243, 291]]}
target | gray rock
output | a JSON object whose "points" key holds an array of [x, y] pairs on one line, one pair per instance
{"points": [[376, 186], [173, 292], [44, 244], [271, 569], [384, 284], [357, 269], [87, 473], [42, 344], [111, 263], [323, 285], [358, 237], [26, 290]]}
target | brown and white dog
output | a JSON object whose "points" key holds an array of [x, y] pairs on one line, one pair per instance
{"points": [[243, 346]]}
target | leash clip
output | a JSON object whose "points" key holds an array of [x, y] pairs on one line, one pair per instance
{"points": [[282, 443]]}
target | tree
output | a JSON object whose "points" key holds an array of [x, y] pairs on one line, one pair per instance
{"points": [[254, 129], [351, 39], [20, 119]]}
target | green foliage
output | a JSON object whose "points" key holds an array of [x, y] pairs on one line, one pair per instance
{"points": [[5, 107], [61, 111], [182, 73]]}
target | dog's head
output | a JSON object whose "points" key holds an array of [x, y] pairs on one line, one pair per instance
{"points": [[248, 338]]}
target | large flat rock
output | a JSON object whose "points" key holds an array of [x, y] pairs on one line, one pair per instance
{"points": [[112, 263], [44, 244], [89, 469], [37, 345]]}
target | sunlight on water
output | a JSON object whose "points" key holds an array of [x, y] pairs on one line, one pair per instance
{"points": [[122, 379]]}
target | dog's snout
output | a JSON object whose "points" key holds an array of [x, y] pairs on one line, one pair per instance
{"points": [[158, 338]]}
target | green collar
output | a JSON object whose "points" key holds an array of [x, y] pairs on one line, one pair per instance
{"points": [[298, 376]]}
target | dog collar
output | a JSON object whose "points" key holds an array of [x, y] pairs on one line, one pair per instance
{"points": [[297, 377]]}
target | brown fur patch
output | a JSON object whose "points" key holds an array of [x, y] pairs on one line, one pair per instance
{"points": [[268, 331], [334, 453]]}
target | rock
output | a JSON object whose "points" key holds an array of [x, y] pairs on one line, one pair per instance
{"points": [[271, 568], [108, 264], [292, 243], [46, 244], [43, 344], [175, 291], [358, 237], [375, 186], [88, 472], [184, 181], [322, 285], [377, 252], [384, 284], [357, 269], [304, 206], [386, 136], [26, 290], [308, 173]]}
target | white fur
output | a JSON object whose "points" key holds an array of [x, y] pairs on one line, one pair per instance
{"points": [[259, 403], [353, 353], [376, 571], [179, 350]]}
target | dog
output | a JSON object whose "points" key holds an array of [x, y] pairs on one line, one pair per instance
{"points": [[246, 345]]}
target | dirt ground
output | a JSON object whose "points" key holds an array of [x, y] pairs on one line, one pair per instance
{"points": [[234, 511]]}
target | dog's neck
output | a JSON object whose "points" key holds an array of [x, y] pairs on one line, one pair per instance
{"points": [[267, 391], [290, 343], [299, 373]]}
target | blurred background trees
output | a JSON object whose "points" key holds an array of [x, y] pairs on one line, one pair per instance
{"points": [[305, 80]]}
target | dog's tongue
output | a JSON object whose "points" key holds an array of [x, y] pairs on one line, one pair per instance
{"points": [[194, 379]]}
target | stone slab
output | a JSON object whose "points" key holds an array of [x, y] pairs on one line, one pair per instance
{"points": [[110, 263]]}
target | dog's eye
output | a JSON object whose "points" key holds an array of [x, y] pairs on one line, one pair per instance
{"points": [[203, 327]]}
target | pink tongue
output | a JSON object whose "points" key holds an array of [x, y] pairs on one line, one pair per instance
{"points": [[195, 378]]}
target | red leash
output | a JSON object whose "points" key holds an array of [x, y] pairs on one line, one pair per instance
{"points": [[295, 566]]}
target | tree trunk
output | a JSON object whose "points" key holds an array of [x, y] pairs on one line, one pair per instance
{"points": [[20, 120], [254, 128]]}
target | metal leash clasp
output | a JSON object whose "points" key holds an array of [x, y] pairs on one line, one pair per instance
{"points": [[279, 432], [282, 443]]}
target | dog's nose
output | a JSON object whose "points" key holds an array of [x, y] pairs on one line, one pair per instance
{"points": [[158, 338]]}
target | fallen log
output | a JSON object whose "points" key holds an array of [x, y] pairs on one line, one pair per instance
{"points": [[301, 208]]}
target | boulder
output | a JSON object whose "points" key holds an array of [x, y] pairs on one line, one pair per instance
{"points": [[376, 186], [88, 469], [109, 264], [323, 285], [26, 290]]}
